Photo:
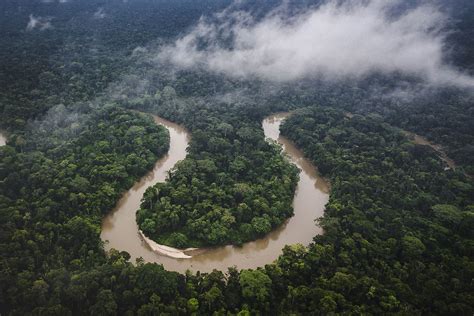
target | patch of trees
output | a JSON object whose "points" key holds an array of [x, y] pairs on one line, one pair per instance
{"points": [[54, 191], [80, 55], [441, 114], [398, 235], [232, 187], [398, 229]]}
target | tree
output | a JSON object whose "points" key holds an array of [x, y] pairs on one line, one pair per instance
{"points": [[193, 305], [105, 304], [412, 247], [256, 286], [447, 214]]}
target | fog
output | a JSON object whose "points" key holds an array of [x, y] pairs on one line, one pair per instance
{"points": [[54, 1], [333, 41], [329, 42], [99, 14], [41, 23]]}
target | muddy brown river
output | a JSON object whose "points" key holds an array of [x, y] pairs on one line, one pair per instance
{"points": [[120, 231]]}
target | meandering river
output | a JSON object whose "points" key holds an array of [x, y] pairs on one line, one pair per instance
{"points": [[121, 232]]}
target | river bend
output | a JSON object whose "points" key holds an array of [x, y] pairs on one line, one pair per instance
{"points": [[120, 231]]}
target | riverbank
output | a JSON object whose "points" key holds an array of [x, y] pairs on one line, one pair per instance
{"points": [[166, 250]]}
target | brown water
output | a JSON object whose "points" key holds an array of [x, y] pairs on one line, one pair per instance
{"points": [[311, 195], [3, 139]]}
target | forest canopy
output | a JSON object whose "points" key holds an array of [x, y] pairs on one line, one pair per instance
{"points": [[398, 227], [232, 187]]}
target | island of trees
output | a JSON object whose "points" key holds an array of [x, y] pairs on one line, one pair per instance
{"points": [[232, 187]]}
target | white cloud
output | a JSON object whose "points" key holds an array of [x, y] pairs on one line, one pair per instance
{"points": [[333, 41], [139, 50], [52, 1], [40, 23], [99, 14]]}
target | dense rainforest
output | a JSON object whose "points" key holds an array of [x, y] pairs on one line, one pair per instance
{"points": [[394, 212], [232, 187], [398, 228]]}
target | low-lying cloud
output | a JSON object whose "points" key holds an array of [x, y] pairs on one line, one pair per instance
{"points": [[41, 23], [99, 14], [54, 1], [332, 41]]}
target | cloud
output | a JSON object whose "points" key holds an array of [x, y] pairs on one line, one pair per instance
{"points": [[53, 1], [139, 50], [41, 23], [99, 14], [333, 41]]}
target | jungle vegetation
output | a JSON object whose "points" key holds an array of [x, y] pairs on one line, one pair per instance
{"points": [[398, 229], [232, 187]]}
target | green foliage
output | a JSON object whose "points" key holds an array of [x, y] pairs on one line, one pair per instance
{"points": [[255, 286], [80, 56], [398, 230], [392, 223], [193, 305], [398, 227], [232, 187], [53, 193]]}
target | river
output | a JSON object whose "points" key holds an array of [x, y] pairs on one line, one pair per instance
{"points": [[119, 228]]}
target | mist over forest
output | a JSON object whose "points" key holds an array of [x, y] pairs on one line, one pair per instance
{"points": [[376, 96]]}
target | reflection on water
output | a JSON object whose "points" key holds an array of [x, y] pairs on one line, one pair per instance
{"points": [[121, 231]]}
